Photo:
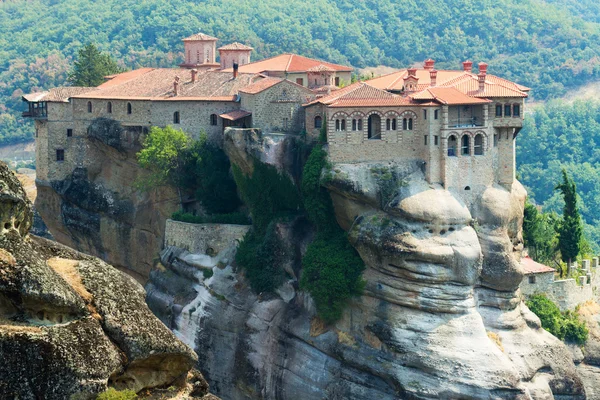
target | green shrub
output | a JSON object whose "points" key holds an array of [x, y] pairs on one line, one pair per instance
{"points": [[269, 194], [207, 273], [331, 268], [113, 394], [261, 257], [565, 326], [232, 218]]}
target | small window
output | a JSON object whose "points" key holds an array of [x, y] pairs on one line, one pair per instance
{"points": [[452, 146], [393, 124], [343, 124], [410, 124], [498, 110], [128, 108], [318, 121], [424, 114], [388, 124], [436, 114], [360, 127], [36, 132], [89, 106], [176, 117], [337, 125], [516, 110], [213, 119], [354, 124], [531, 279], [404, 124], [315, 82], [60, 155], [300, 81], [479, 145], [436, 140], [69, 132], [467, 187], [109, 107], [337, 81], [425, 140], [507, 110], [465, 145]]}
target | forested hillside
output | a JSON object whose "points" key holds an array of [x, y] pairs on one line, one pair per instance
{"points": [[548, 45]]}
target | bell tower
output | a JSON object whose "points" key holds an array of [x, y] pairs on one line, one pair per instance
{"points": [[200, 52]]}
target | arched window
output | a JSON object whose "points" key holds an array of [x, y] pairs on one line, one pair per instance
{"points": [[318, 122], [176, 117], [479, 144], [404, 124], [464, 149], [410, 124], [109, 107], [394, 124], [344, 124], [89, 105], [360, 127], [388, 124], [213, 119], [452, 146], [128, 108], [337, 125], [354, 124]]}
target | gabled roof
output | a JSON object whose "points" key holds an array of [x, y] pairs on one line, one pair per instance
{"points": [[361, 94], [235, 46], [268, 82], [199, 36], [465, 82], [288, 63], [235, 115], [157, 84], [321, 68], [448, 95], [58, 94], [532, 267]]}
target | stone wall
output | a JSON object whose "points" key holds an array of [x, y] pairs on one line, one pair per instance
{"points": [[203, 238]]}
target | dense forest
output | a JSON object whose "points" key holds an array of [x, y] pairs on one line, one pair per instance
{"points": [[559, 135], [549, 45]]}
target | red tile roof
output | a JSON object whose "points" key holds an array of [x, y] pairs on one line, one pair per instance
{"points": [[235, 115], [261, 85], [157, 84], [288, 63], [532, 267], [361, 94], [321, 68], [199, 36], [58, 95], [448, 95], [235, 46]]}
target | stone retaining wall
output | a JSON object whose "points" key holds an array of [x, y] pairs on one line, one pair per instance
{"points": [[203, 238]]}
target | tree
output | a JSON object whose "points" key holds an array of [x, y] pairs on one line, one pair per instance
{"points": [[165, 155], [570, 230], [92, 66], [540, 234]]}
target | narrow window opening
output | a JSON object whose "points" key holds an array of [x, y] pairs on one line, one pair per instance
{"points": [[337, 125], [69, 132], [60, 155], [498, 110], [410, 124], [360, 124], [318, 122], [424, 114], [436, 114], [394, 124], [465, 145], [109, 107], [516, 110], [435, 140], [404, 124], [479, 145], [388, 124], [354, 124], [176, 117], [89, 106], [452, 146], [213, 119], [337, 81], [507, 110], [425, 137], [343, 124], [129, 108]]}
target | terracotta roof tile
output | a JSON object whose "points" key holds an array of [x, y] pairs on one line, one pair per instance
{"points": [[199, 36], [58, 94], [235, 115], [235, 46], [287, 63], [448, 95], [532, 267], [361, 94], [321, 68], [261, 85]]}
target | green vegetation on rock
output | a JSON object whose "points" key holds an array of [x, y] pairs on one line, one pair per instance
{"points": [[564, 325], [113, 394], [331, 268]]}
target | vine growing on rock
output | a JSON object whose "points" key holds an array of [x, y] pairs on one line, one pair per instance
{"points": [[331, 268]]}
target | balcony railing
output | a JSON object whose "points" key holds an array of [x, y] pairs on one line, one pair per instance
{"points": [[465, 123]]}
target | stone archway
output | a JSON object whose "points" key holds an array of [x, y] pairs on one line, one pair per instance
{"points": [[374, 127]]}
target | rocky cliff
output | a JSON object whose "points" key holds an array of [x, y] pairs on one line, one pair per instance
{"points": [[440, 316], [72, 325], [97, 210]]}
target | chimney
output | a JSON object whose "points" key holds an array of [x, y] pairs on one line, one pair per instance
{"points": [[467, 66], [433, 77], [176, 86], [481, 76], [194, 74], [412, 72], [429, 63], [235, 70]]}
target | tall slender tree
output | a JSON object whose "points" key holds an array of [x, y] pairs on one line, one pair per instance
{"points": [[92, 66], [570, 231]]}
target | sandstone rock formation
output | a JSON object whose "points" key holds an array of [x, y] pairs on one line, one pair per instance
{"points": [[70, 323], [440, 317], [97, 210]]}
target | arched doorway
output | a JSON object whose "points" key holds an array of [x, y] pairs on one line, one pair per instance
{"points": [[374, 127]]}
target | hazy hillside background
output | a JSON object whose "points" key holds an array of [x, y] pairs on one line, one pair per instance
{"points": [[552, 46]]}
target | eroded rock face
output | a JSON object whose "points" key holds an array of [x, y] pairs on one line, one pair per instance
{"points": [[70, 323]]}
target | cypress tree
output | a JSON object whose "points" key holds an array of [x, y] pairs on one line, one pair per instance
{"points": [[91, 67], [570, 230]]}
